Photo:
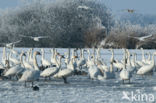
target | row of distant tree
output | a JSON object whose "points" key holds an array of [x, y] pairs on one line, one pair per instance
{"points": [[73, 23]]}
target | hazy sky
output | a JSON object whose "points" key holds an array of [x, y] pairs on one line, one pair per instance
{"points": [[141, 6]]}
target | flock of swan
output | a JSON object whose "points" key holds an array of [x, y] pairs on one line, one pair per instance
{"points": [[24, 66]]}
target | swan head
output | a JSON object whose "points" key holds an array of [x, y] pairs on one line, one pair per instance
{"points": [[6, 62], [24, 54], [61, 56], [75, 57], [37, 53]]}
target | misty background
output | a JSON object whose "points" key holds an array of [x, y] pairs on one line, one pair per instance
{"points": [[77, 23]]}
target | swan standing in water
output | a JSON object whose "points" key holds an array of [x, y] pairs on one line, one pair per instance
{"points": [[66, 72], [4, 58], [15, 70], [33, 74], [125, 74], [145, 69], [93, 70], [45, 62], [82, 60], [52, 70]]}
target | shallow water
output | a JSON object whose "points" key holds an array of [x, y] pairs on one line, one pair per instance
{"points": [[81, 89]]}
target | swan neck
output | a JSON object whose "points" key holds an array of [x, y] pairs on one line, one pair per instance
{"points": [[112, 58], [4, 53], [42, 54], [111, 67], [35, 63], [153, 60], [59, 62], [143, 56]]}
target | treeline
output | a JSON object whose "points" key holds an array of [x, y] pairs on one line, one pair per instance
{"points": [[67, 23], [127, 34]]}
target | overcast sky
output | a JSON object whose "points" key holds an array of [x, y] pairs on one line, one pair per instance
{"points": [[141, 6]]}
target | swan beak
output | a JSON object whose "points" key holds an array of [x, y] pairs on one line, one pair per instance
{"points": [[62, 56], [75, 56], [24, 54], [57, 53], [38, 53]]}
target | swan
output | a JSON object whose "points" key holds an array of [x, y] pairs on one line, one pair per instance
{"points": [[143, 38], [148, 60], [26, 64], [89, 61], [67, 57], [12, 44], [93, 70], [131, 65], [82, 60], [53, 59], [37, 38], [53, 70], [147, 68], [139, 63], [16, 70], [45, 62], [66, 72], [134, 62], [102, 66], [30, 56], [110, 74], [31, 75], [4, 56], [13, 60], [125, 74], [116, 63], [143, 56]]}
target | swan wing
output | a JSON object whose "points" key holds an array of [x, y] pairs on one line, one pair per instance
{"points": [[49, 72], [64, 73], [145, 69], [30, 75]]}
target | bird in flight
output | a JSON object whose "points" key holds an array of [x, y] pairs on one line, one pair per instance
{"points": [[142, 38], [129, 10], [36, 38], [10, 45]]}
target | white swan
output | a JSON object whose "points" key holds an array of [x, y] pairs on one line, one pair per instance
{"points": [[53, 70], [116, 63], [147, 68], [89, 60], [93, 70], [4, 56], [125, 74], [143, 55], [45, 62], [33, 74], [82, 60], [26, 64], [30, 56], [53, 56], [66, 72], [148, 60], [37, 38], [18, 69]]}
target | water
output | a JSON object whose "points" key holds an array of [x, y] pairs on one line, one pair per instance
{"points": [[81, 89]]}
